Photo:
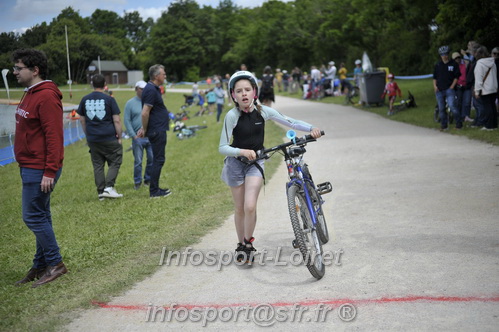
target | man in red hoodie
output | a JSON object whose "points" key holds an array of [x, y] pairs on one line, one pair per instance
{"points": [[39, 150]]}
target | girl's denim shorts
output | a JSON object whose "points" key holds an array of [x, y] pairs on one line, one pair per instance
{"points": [[235, 171]]}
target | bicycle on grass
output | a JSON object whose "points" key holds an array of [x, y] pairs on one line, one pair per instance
{"points": [[304, 202]]}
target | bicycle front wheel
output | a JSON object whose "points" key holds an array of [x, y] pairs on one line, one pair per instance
{"points": [[319, 213], [317, 203], [306, 236]]}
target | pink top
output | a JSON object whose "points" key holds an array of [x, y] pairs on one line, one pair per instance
{"points": [[462, 79]]}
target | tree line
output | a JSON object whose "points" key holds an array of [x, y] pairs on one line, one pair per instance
{"points": [[195, 42]]}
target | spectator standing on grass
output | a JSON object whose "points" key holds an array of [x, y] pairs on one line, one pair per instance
{"points": [[357, 71], [39, 151], [468, 54], [470, 82], [330, 75], [155, 123], [463, 91], [278, 78], [195, 89], [226, 85], [485, 88], [315, 78], [244, 125], [285, 80], [133, 123], [296, 75], [445, 77], [392, 90], [211, 99], [343, 76], [495, 54], [100, 120], [220, 95], [267, 90]]}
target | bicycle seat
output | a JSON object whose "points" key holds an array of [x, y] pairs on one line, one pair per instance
{"points": [[296, 151]]}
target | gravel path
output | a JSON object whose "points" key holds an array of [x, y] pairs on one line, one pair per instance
{"points": [[413, 219]]}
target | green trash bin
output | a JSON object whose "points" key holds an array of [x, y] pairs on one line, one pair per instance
{"points": [[371, 86]]}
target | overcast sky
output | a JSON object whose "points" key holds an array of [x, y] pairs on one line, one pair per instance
{"points": [[19, 15]]}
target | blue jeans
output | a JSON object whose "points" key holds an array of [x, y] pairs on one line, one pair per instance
{"points": [[37, 216], [463, 98], [138, 147], [158, 144], [448, 95], [479, 118], [220, 108]]}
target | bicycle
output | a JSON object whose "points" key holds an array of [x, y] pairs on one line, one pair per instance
{"points": [[410, 102], [186, 131], [304, 202]]}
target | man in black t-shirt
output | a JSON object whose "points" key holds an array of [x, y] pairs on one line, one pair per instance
{"points": [[445, 77], [155, 122], [100, 119]]}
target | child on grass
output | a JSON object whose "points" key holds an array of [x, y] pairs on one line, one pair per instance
{"points": [[391, 89]]}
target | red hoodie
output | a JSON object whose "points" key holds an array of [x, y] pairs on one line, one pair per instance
{"points": [[39, 141]]}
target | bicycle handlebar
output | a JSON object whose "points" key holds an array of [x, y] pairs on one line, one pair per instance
{"points": [[296, 141], [263, 154]]}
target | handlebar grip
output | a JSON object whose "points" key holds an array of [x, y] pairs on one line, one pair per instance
{"points": [[309, 137]]}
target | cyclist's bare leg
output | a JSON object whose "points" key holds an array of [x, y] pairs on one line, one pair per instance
{"points": [[252, 185], [238, 198]]}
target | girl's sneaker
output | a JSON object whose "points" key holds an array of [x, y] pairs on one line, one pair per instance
{"points": [[240, 252], [249, 250]]}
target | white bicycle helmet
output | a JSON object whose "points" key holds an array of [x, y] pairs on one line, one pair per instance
{"points": [[443, 50], [358, 62], [239, 75]]}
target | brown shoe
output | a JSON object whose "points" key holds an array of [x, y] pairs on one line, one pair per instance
{"points": [[33, 274], [52, 273]]}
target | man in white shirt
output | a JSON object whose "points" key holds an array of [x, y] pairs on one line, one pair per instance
{"points": [[315, 75]]}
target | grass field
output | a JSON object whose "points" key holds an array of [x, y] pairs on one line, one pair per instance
{"points": [[108, 246], [422, 115]]}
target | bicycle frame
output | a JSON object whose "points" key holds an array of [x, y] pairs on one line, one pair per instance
{"points": [[301, 180]]}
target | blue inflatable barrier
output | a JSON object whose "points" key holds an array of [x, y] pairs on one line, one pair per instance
{"points": [[72, 133], [417, 77]]}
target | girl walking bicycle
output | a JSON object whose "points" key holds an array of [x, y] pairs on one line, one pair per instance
{"points": [[245, 125]]}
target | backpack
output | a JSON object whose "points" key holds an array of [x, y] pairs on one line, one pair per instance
{"points": [[267, 81]]}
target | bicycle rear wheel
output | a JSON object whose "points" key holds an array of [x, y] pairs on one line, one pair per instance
{"points": [[306, 237]]}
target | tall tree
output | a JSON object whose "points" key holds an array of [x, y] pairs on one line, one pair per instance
{"points": [[174, 41], [106, 22], [137, 30], [35, 36], [459, 21]]}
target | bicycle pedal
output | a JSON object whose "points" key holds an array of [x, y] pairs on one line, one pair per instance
{"points": [[324, 188]]}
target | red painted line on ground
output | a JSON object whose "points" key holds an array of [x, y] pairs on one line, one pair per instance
{"points": [[406, 299]]}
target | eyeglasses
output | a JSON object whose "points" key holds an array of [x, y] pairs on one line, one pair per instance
{"points": [[16, 68], [495, 53]]}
